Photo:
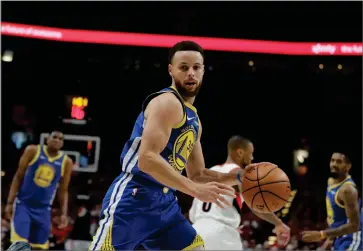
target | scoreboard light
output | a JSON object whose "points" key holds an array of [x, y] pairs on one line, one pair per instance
{"points": [[78, 105]]}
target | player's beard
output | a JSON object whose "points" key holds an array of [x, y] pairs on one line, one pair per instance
{"points": [[334, 175], [184, 92]]}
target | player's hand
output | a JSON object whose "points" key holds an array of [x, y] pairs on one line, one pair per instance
{"points": [[213, 191], [311, 236], [9, 211], [63, 221], [283, 234], [326, 244], [240, 229]]}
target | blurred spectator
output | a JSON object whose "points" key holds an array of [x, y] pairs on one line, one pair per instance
{"points": [[58, 236], [95, 218], [80, 237]]}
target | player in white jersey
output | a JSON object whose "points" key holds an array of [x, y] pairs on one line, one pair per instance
{"points": [[219, 227]]}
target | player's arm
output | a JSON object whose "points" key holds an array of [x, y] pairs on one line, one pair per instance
{"points": [[197, 172], [349, 195], [269, 217], [28, 155], [162, 113], [63, 186], [281, 230]]}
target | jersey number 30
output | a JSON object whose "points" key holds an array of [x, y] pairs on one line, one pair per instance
{"points": [[206, 206]]}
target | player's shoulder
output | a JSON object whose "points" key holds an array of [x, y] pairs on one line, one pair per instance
{"points": [[166, 101], [68, 160], [31, 149], [348, 187], [164, 108], [330, 181], [225, 168]]}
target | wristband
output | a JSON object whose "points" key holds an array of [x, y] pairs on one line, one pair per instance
{"points": [[239, 177], [322, 235]]}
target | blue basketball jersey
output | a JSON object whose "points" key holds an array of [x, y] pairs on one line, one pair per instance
{"points": [[335, 210], [182, 139], [41, 178], [137, 209]]}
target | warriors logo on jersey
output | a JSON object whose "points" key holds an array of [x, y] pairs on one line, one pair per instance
{"points": [[182, 148], [44, 175]]}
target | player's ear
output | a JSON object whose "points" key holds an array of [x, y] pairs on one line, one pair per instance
{"points": [[170, 67], [240, 152]]}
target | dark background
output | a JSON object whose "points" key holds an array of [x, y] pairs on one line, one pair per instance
{"points": [[281, 103]]}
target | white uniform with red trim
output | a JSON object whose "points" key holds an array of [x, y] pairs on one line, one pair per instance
{"points": [[218, 227]]}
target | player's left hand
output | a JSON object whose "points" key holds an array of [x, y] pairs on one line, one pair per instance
{"points": [[311, 236], [283, 234], [63, 221]]}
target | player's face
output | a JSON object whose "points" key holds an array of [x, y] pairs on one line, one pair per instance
{"points": [[55, 140], [247, 155], [338, 165], [187, 71]]}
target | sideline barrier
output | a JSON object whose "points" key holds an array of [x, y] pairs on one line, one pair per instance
{"points": [[156, 40]]}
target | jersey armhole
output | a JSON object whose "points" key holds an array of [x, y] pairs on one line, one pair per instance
{"points": [[63, 164], [153, 95], [238, 202], [336, 199], [36, 156], [234, 169]]}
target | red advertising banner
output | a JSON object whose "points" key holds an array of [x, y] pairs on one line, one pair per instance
{"points": [[156, 40]]}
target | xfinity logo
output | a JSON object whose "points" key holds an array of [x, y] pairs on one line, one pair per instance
{"points": [[321, 48]]}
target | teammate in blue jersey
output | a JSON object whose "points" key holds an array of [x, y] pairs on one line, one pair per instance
{"points": [[344, 209], [140, 207], [41, 170]]}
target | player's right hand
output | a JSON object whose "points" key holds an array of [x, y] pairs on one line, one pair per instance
{"points": [[8, 211], [213, 192]]}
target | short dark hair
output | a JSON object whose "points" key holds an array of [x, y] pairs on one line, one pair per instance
{"points": [[236, 142], [185, 46], [346, 155], [57, 130]]}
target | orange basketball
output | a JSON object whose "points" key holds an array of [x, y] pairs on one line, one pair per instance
{"points": [[265, 188]]}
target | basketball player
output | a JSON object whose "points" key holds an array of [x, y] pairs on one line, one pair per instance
{"points": [[140, 207], [343, 208], [219, 227], [41, 170]]}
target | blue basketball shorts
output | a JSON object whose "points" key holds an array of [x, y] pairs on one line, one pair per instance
{"points": [[349, 242], [138, 212], [31, 224]]}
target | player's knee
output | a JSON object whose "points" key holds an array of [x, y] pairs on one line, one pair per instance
{"points": [[201, 247], [20, 245]]}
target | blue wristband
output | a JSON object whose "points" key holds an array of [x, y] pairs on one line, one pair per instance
{"points": [[239, 177]]}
